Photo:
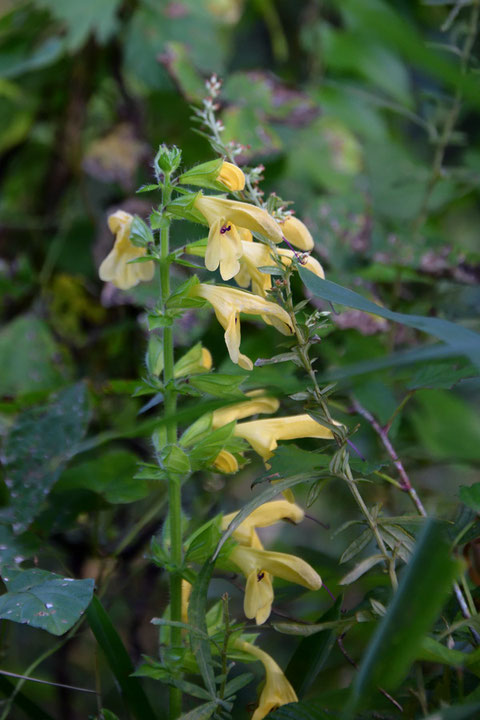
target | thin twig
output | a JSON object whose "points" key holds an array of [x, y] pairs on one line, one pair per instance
{"points": [[382, 433], [407, 487], [46, 682]]}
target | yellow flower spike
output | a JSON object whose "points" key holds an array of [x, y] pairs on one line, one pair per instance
{"points": [[231, 176], [277, 691], [116, 268], [256, 255], [258, 565], [225, 217], [296, 233], [225, 462], [263, 435], [258, 402], [228, 303]]}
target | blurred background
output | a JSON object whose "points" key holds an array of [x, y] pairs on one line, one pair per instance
{"points": [[365, 115]]}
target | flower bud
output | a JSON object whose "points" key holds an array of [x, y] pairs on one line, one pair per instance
{"points": [[296, 233], [167, 159]]}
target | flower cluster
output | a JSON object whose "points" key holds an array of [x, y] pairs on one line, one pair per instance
{"points": [[243, 245]]}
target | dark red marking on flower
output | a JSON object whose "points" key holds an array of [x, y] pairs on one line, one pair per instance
{"points": [[225, 229], [260, 576]]}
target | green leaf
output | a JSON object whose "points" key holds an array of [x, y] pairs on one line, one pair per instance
{"points": [[219, 385], [81, 19], [456, 712], [312, 653], [463, 340], [440, 376], [119, 661], [39, 445], [176, 461], [22, 370], [15, 549], [111, 476], [470, 496], [197, 610], [416, 604], [140, 233], [43, 599], [360, 569], [202, 712]]}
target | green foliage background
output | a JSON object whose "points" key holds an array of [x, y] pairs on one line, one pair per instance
{"points": [[365, 115]]}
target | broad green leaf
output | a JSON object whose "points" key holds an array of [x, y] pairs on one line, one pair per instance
{"points": [[119, 661], [39, 445], [415, 606], [24, 371], [461, 339], [446, 425], [15, 549], [470, 496], [43, 599], [111, 476], [312, 653], [440, 376]]}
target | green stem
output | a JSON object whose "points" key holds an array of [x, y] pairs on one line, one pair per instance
{"points": [[174, 485]]}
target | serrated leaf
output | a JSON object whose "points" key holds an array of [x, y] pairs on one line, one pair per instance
{"points": [[140, 233], [43, 599], [219, 385], [40, 443]]}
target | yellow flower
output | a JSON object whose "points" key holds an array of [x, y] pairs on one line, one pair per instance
{"points": [[228, 303], [297, 233], [258, 565], [186, 592], [226, 218], [256, 255], [258, 403], [267, 514], [225, 462], [263, 435], [231, 176], [277, 691], [116, 268]]}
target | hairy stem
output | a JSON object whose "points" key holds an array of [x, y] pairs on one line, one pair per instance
{"points": [[174, 484]]}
